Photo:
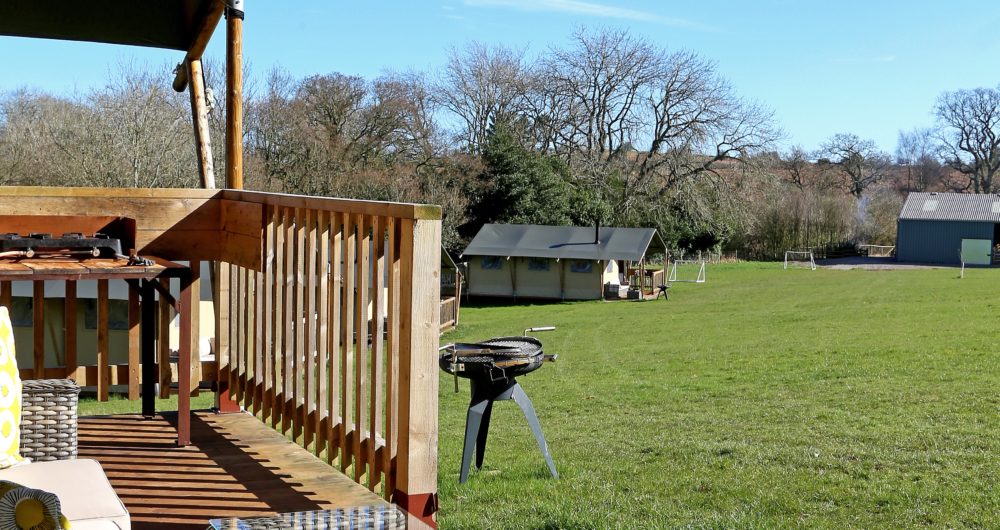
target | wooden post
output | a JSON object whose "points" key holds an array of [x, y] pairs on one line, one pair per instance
{"points": [[133, 344], [69, 321], [194, 317], [103, 359], [199, 117], [163, 341], [234, 95], [420, 263], [184, 364], [38, 329]]}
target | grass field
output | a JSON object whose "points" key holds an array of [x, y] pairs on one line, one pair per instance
{"points": [[762, 399]]}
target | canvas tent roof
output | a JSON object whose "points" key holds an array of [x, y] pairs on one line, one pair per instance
{"points": [[172, 24], [981, 207], [569, 242]]}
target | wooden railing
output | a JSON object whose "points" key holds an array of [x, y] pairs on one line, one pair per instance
{"points": [[327, 317], [449, 312], [331, 338]]}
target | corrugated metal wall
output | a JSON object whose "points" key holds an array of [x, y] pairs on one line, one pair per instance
{"points": [[936, 241]]}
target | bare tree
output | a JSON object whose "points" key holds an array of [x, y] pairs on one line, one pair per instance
{"points": [[969, 122], [648, 127], [860, 161], [484, 86], [917, 151]]}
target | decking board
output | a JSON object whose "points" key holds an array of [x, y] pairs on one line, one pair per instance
{"points": [[237, 466]]}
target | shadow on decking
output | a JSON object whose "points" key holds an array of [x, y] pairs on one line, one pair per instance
{"points": [[237, 466]]}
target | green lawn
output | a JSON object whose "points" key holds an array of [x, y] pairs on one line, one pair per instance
{"points": [[762, 399]]}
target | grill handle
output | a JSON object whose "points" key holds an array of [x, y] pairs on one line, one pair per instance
{"points": [[542, 328], [550, 358]]}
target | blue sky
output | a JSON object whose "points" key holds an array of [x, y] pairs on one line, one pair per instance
{"points": [[866, 67]]}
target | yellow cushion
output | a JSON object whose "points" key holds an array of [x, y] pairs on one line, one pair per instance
{"points": [[10, 396], [24, 508]]}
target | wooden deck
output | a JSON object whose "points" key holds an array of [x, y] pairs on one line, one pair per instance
{"points": [[236, 466]]}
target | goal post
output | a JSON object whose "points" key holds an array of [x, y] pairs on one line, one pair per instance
{"points": [[800, 258], [877, 251], [686, 265]]}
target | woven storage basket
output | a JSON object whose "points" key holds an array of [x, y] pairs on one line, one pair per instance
{"points": [[48, 419]]}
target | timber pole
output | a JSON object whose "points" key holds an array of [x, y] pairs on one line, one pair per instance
{"points": [[199, 114], [234, 94]]}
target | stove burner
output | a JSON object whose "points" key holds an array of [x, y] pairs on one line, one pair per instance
{"points": [[71, 244]]}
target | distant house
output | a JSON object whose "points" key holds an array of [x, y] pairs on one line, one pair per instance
{"points": [[935, 227], [560, 262]]}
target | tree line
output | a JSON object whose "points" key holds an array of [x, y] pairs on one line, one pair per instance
{"points": [[607, 127]]}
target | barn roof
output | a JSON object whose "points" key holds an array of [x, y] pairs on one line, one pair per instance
{"points": [[981, 207], [172, 24], [570, 242]]}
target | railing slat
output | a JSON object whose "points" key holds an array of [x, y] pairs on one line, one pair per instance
{"points": [[308, 326], [299, 316], [270, 314], [288, 312], [376, 387], [335, 440], [347, 342], [361, 331], [392, 365], [323, 387], [278, 295], [194, 316]]}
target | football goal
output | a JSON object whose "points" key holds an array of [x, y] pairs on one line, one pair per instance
{"points": [[877, 251], [691, 270], [800, 258]]}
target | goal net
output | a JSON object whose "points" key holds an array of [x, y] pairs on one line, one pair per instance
{"points": [[799, 258], [691, 270], [877, 251]]}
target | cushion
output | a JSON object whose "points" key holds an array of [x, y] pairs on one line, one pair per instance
{"points": [[82, 487], [24, 508], [10, 396]]}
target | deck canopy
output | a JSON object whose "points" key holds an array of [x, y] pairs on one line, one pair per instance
{"points": [[565, 242], [171, 24]]}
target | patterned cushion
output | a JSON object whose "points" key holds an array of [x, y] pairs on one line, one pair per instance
{"points": [[10, 396], [24, 508]]}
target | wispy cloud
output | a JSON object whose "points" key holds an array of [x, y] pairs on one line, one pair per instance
{"points": [[577, 7], [872, 59]]}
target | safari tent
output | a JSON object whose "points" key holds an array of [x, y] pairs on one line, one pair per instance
{"points": [[554, 262]]}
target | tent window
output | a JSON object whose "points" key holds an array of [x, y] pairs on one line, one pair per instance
{"points": [[538, 264], [491, 263], [582, 266]]}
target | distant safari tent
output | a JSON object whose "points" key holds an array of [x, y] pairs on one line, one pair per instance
{"points": [[555, 262], [944, 227]]}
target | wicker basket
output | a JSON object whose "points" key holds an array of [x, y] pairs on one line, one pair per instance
{"points": [[48, 419]]}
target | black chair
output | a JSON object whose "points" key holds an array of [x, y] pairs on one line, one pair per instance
{"points": [[663, 291]]}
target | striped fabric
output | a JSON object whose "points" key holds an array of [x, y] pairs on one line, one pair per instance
{"points": [[357, 518]]}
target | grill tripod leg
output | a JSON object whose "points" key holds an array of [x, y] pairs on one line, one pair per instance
{"points": [[524, 402], [473, 421], [484, 430]]}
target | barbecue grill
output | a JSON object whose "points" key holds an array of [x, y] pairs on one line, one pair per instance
{"points": [[491, 367]]}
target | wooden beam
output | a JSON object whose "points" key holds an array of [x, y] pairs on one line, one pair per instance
{"points": [[199, 118], [197, 48], [234, 96]]}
